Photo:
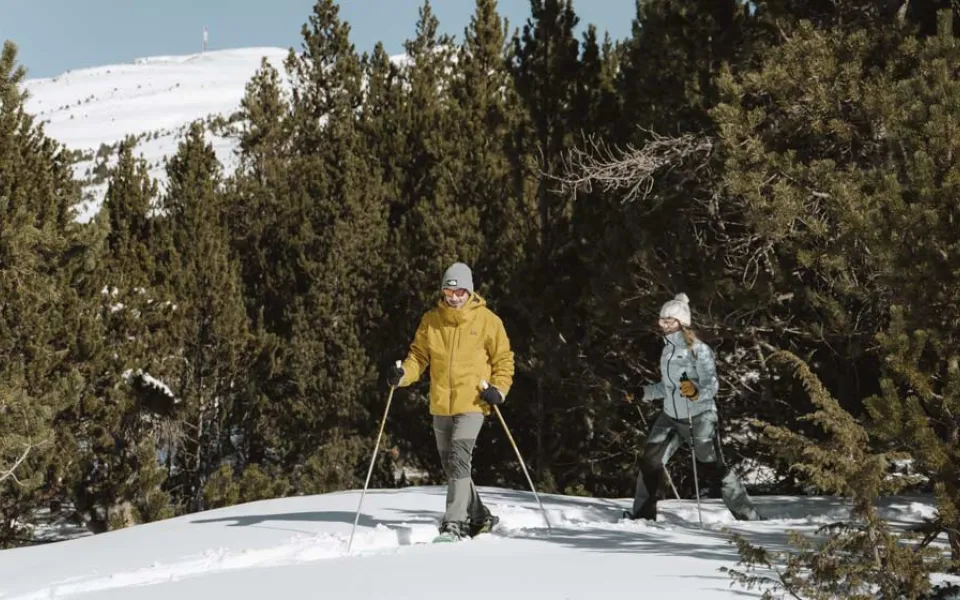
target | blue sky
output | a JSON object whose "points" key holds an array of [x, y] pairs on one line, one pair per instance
{"points": [[54, 36]]}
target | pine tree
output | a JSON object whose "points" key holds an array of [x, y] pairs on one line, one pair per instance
{"points": [[546, 68], [268, 239], [596, 101], [386, 136], [856, 198], [42, 282], [381, 120], [916, 414], [493, 173], [209, 366], [440, 226], [861, 557], [781, 15], [819, 169], [263, 110], [914, 233], [119, 425], [651, 234], [547, 110], [327, 375], [128, 202], [924, 14], [671, 60], [264, 222]]}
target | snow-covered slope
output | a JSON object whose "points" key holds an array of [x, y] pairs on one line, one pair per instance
{"points": [[154, 98], [296, 548]]}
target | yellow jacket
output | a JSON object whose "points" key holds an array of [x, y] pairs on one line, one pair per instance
{"points": [[461, 347]]}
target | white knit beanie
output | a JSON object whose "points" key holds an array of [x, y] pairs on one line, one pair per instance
{"points": [[678, 308]]}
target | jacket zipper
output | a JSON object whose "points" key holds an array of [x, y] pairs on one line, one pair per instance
{"points": [[453, 349], [673, 398]]}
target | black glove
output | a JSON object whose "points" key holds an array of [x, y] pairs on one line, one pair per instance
{"points": [[394, 374], [491, 396]]}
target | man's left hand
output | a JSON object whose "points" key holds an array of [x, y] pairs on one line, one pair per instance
{"points": [[491, 395]]}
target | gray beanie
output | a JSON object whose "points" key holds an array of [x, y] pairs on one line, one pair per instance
{"points": [[458, 275]]}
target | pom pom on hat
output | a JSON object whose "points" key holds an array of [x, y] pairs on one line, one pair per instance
{"points": [[678, 308]]}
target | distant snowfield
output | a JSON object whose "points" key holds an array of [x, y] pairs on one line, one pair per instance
{"points": [[297, 548], [157, 97]]}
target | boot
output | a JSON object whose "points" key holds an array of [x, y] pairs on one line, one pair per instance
{"points": [[485, 525], [646, 515], [451, 531]]}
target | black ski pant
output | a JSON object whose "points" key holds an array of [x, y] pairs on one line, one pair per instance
{"points": [[664, 439]]}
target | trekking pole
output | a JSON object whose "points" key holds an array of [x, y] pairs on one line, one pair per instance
{"points": [[496, 409], [693, 458], [373, 459]]}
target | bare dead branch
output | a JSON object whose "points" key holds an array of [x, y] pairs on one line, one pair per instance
{"points": [[9, 473], [632, 168]]}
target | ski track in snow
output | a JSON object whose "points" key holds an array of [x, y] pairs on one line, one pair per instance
{"points": [[515, 522], [519, 523]]}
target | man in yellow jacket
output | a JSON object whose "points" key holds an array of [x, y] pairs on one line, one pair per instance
{"points": [[463, 343]]}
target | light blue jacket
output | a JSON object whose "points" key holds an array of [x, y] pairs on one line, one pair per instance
{"points": [[676, 360]]}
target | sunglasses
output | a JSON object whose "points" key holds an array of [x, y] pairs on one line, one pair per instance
{"points": [[459, 293]]}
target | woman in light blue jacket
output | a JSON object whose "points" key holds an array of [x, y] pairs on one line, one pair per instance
{"points": [[688, 389]]}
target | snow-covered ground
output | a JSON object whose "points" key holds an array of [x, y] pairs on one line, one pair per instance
{"points": [[153, 98], [297, 548]]}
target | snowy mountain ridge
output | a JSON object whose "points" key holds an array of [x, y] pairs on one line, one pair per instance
{"points": [[153, 99]]}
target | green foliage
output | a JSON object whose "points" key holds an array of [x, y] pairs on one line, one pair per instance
{"points": [[667, 82], [118, 425], [43, 285], [917, 414], [225, 488], [836, 154], [840, 464], [210, 341], [484, 105], [861, 557]]}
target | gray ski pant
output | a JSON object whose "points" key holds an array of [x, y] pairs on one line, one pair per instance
{"points": [[663, 441], [456, 438]]}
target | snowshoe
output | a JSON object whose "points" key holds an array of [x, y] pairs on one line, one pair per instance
{"points": [[631, 516], [449, 532]]}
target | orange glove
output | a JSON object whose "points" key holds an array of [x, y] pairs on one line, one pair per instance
{"points": [[689, 390]]}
